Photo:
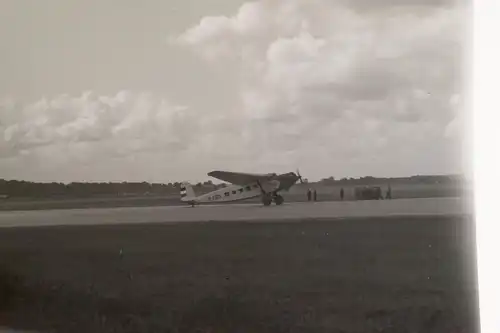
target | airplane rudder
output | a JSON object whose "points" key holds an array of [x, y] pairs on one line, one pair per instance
{"points": [[186, 190]]}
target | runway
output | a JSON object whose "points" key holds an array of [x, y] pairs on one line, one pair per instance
{"points": [[236, 212]]}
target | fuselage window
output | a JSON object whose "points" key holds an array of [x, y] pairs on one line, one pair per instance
{"points": [[226, 194], [248, 188], [234, 192], [240, 190], [255, 186]]}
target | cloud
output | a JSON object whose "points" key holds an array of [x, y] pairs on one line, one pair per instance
{"points": [[126, 136], [343, 88], [343, 78], [92, 129], [120, 121]]}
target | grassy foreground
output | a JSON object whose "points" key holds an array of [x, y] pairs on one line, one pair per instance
{"points": [[354, 275]]}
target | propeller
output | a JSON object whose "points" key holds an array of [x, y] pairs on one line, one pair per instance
{"points": [[300, 177]]}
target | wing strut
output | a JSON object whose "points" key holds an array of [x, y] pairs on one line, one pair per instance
{"points": [[258, 183]]}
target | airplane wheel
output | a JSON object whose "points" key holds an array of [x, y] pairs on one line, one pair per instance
{"points": [[279, 200], [266, 200]]}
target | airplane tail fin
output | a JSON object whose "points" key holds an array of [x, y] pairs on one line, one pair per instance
{"points": [[187, 192]]}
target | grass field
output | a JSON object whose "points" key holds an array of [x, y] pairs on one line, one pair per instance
{"points": [[355, 275], [296, 194]]}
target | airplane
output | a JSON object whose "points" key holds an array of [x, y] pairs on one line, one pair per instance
{"points": [[243, 186]]}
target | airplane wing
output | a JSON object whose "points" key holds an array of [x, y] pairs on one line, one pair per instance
{"points": [[240, 178]]}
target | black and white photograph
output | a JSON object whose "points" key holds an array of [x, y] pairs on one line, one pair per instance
{"points": [[237, 166]]}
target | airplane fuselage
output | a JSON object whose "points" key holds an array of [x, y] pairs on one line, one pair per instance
{"points": [[234, 192], [231, 193]]}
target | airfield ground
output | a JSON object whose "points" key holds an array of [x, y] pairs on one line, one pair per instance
{"points": [[357, 274], [296, 194]]}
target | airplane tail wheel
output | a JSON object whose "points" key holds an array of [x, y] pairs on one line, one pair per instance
{"points": [[279, 200]]}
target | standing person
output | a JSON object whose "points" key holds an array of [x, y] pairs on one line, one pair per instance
{"points": [[342, 193], [388, 194], [309, 194], [315, 195]]}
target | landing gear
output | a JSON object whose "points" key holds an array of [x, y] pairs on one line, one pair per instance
{"points": [[278, 199], [267, 199]]}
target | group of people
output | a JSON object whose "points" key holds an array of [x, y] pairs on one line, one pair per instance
{"points": [[313, 195]]}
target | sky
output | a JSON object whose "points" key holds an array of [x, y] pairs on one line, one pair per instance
{"points": [[165, 91]]}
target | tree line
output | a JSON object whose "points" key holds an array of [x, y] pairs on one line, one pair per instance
{"points": [[419, 179], [16, 188]]}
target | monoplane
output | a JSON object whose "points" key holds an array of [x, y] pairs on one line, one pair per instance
{"points": [[243, 186]]}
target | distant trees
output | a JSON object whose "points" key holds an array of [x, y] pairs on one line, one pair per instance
{"points": [[15, 188], [369, 180], [328, 181]]}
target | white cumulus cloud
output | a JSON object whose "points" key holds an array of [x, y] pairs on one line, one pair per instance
{"points": [[341, 82], [342, 88], [90, 130], [119, 120]]}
